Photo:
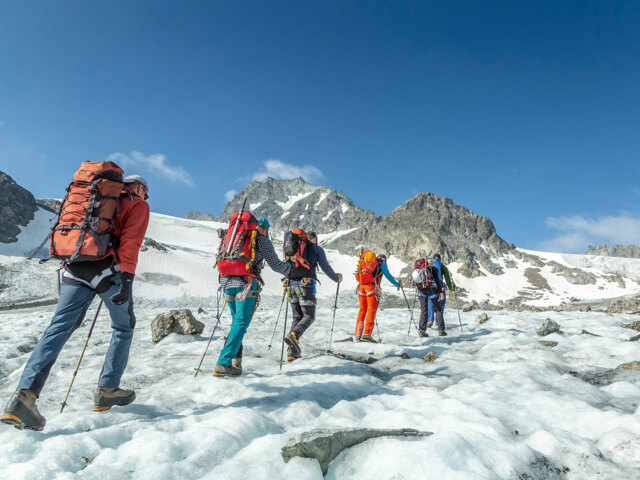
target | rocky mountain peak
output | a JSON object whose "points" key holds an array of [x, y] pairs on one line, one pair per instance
{"points": [[289, 204], [427, 224], [17, 208]]}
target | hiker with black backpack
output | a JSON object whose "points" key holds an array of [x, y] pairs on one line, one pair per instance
{"points": [[443, 274], [98, 234], [369, 272], [305, 256], [244, 247], [427, 282]]}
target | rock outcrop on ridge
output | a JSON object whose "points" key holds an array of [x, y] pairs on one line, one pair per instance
{"points": [[17, 208]]}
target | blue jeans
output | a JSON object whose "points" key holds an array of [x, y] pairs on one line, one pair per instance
{"points": [[241, 312], [430, 307], [72, 306]]}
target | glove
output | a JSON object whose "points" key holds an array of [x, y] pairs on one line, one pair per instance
{"points": [[339, 277], [126, 289]]}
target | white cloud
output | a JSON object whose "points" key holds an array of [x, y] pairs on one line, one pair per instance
{"points": [[230, 195], [280, 170], [579, 232], [155, 163]]}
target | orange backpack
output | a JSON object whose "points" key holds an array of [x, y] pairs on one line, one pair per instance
{"points": [[368, 270], [87, 213], [237, 256]]}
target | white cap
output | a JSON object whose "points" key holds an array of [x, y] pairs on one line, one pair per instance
{"points": [[136, 178]]}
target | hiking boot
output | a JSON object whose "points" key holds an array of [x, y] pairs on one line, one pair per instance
{"points": [[423, 333], [237, 364], [442, 333], [21, 411], [105, 398], [226, 371], [368, 338], [292, 341], [292, 354]]}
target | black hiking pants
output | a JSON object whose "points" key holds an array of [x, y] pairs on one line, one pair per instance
{"points": [[303, 306], [424, 312]]}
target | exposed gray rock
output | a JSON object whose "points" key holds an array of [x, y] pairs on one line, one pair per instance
{"points": [[626, 251], [483, 317], [548, 343], [50, 204], [635, 338], [175, 321], [325, 445], [467, 307], [629, 366], [201, 310], [405, 356], [632, 326], [17, 208], [348, 339], [547, 327], [150, 243], [575, 276], [527, 257], [586, 332], [354, 357], [535, 279]]}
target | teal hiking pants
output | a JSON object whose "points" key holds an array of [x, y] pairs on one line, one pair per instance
{"points": [[241, 312]]}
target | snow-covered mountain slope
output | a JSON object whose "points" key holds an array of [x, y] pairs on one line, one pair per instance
{"points": [[500, 404], [176, 267]]}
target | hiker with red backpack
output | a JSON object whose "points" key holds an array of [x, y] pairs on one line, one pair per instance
{"points": [[443, 274], [98, 234], [427, 281], [369, 274], [244, 247], [305, 256]]}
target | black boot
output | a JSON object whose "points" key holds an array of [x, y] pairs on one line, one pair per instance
{"points": [[21, 411], [442, 333]]}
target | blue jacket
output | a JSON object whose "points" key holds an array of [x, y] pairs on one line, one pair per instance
{"points": [[385, 272]]}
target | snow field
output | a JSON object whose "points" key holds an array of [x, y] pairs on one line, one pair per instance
{"points": [[489, 381]]}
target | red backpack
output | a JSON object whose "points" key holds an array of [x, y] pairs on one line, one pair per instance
{"points": [[296, 249], [422, 275], [87, 213], [368, 270], [237, 256]]}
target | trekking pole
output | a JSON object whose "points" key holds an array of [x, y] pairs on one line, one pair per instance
{"points": [[277, 319], [218, 314], [335, 307], [64, 403], [458, 305], [412, 319], [285, 325]]}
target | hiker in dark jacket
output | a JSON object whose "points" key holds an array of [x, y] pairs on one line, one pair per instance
{"points": [[111, 278], [443, 274], [430, 296], [241, 295], [303, 296]]}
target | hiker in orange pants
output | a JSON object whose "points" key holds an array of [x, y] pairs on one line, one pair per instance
{"points": [[369, 274]]}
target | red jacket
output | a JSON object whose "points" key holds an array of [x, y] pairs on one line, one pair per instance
{"points": [[130, 227]]}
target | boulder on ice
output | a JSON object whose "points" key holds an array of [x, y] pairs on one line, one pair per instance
{"points": [[175, 321], [547, 327], [325, 445]]}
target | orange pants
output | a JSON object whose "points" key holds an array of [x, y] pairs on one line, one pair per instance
{"points": [[368, 308]]}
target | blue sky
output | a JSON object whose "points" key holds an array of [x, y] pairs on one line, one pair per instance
{"points": [[525, 112]]}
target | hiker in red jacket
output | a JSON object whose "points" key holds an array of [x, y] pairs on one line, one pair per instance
{"points": [[110, 277]]}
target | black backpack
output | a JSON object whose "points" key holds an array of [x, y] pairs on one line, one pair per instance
{"points": [[296, 249]]}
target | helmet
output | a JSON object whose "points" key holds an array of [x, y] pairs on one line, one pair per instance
{"points": [[418, 276], [382, 257], [369, 257], [264, 222]]}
